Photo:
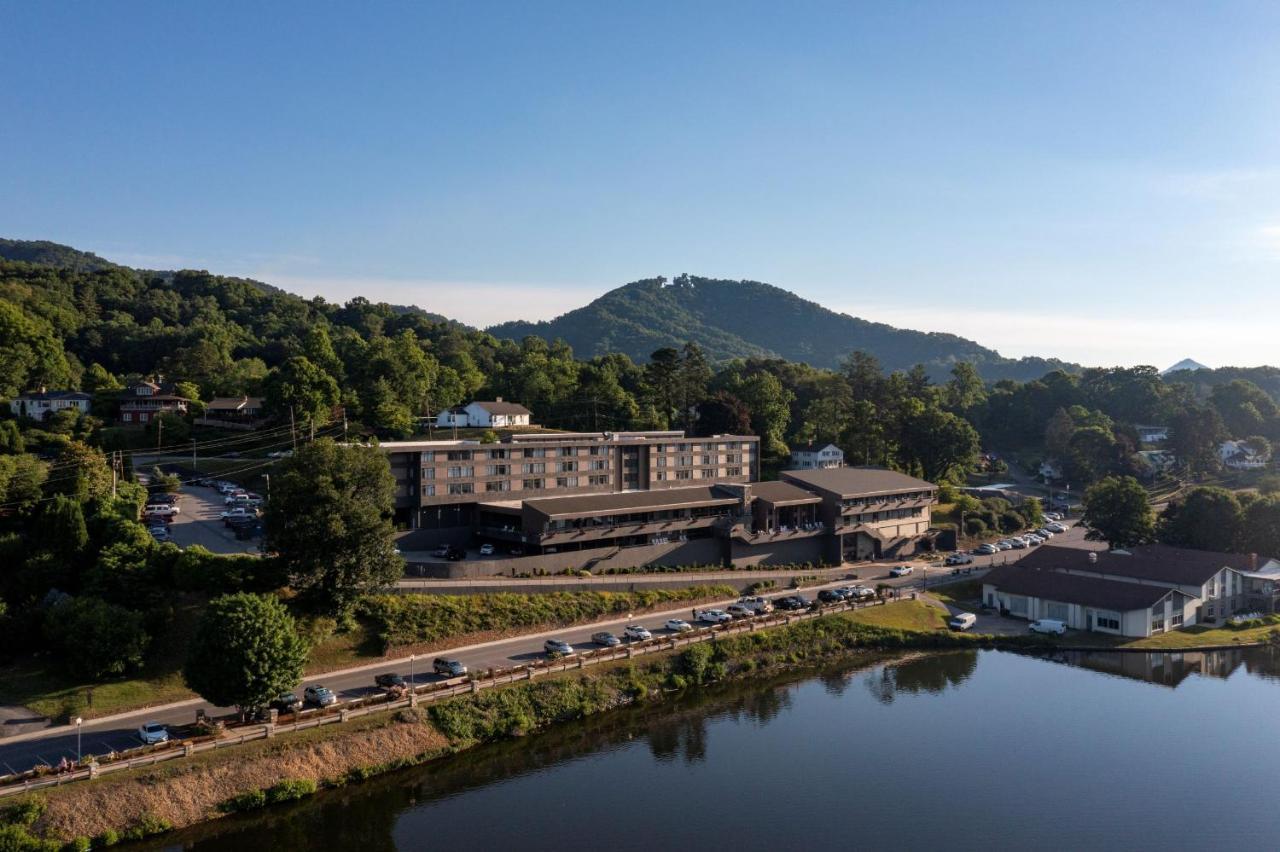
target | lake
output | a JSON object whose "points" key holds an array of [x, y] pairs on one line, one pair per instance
{"points": [[965, 750]]}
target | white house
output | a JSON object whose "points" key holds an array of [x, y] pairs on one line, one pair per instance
{"points": [[813, 456], [1050, 470], [1152, 434], [1238, 455], [485, 415], [40, 404]]}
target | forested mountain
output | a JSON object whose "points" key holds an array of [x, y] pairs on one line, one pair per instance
{"points": [[742, 319], [45, 253]]}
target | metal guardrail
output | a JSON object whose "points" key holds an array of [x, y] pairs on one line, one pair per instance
{"points": [[429, 693]]}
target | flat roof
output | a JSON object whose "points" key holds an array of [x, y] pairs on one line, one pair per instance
{"points": [[1156, 562], [1114, 595], [782, 494], [858, 481], [586, 505], [409, 446]]}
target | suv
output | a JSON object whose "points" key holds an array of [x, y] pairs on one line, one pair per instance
{"points": [[637, 631], [901, 570], [321, 696], [714, 616], [605, 638], [831, 596], [740, 610], [757, 604], [791, 602], [287, 703], [960, 559], [163, 510], [447, 667]]}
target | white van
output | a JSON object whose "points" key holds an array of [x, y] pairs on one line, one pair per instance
{"points": [[962, 621], [1048, 625]]}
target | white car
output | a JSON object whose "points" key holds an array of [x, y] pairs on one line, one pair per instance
{"points": [[239, 512], [321, 696], [1004, 544], [861, 592], [486, 550], [900, 570], [557, 646], [714, 616], [163, 510], [757, 604], [1053, 516], [1048, 625], [1045, 533], [1018, 543], [1055, 527], [958, 559], [637, 632], [985, 550], [153, 732], [678, 625]]}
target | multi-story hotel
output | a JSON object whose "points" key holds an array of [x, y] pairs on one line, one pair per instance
{"points": [[555, 500]]}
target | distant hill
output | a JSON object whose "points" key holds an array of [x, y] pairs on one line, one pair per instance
{"points": [[1184, 364], [45, 253], [742, 319]]}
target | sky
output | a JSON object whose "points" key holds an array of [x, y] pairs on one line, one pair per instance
{"points": [[1089, 180]]}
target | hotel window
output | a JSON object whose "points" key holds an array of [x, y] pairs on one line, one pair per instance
{"points": [[733, 471], [459, 455], [458, 471], [500, 485], [660, 476], [684, 461], [429, 455], [599, 480], [566, 482], [497, 454], [662, 461], [428, 473], [568, 451], [595, 451], [462, 488], [533, 485], [497, 470], [428, 491], [568, 466], [734, 458], [537, 467], [535, 453], [600, 465], [684, 474]]}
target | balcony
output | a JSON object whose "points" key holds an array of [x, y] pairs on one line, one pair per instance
{"points": [[778, 533], [553, 537]]}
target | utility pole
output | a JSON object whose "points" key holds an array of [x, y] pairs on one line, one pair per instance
{"points": [[159, 431], [193, 456], [293, 430], [115, 462]]}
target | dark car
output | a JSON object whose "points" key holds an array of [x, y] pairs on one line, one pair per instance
{"points": [[287, 703], [831, 596], [447, 667], [454, 554], [790, 602], [391, 682]]}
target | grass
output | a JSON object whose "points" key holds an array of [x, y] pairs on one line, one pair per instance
{"points": [[966, 593], [48, 691], [912, 616], [1200, 635]]}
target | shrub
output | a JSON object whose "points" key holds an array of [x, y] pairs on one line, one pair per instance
{"points": [[80, 844], [250, 801], [110, 837], [290, 790], [975, 526], [1012, 522]]}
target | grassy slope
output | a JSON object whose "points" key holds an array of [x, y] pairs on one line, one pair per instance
{"points": [[903, 615]]}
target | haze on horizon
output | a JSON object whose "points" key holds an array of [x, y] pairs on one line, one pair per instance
{"points": [[1100, 187]]}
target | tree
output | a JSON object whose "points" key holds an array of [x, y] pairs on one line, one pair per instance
{"points": [[1261, 528], [1033, 510], [723, 414], [11, 441], [1208, 518], [1246, 409], [96, 639], [167, 429], [1195, 434], [939, 443], [246, 651], [966, 391], [329, 518], [83, 472], [21, 481], [770, 406], [61, 530], [691, 382], [300, 387], [1117, 511]]}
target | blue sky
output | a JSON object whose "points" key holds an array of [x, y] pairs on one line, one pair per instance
{"points": [[1092, 180]]}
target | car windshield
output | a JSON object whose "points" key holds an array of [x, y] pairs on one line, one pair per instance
{"points": [[153, 727]]}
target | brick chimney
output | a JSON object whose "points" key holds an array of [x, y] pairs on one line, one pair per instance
{"points": [[1253, 562]]}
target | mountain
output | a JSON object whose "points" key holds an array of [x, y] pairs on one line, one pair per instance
{"points": [[1184, 364], [45, 253], [744, 319]]}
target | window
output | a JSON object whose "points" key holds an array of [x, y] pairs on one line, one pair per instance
{"points": [[733, 471], [459, 455], [533, 485], [599, 480], [662, 461], [684, 461], [566, 482], [429, 455], [684, 474], [568, 466], [1176, 621], [459, 471], [428, 491], [461, 488], [535, 453], [497, 454], [660, 476], [499, 485], [536, 467], [600, 465], [428, 473], [568, 451], [734, 458], [1106, 622], [497, 470]]}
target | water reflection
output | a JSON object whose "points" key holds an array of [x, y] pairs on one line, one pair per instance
{"points": [[932, 674], [1172, 668]]}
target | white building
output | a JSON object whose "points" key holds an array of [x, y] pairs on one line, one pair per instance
{"points": [[813, 456], [485, 415], [40, 404], [1152, 434], [1238, 455]]}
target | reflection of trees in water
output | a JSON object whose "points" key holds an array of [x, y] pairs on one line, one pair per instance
{"points": [[685, 736], [931, 674], [835, 683]]}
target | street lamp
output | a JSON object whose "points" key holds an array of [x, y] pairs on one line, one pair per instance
{"points": [[412, 657], [78, 722]]}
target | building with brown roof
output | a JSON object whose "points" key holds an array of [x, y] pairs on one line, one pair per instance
{"points": [[871, 512], [143, 402]]}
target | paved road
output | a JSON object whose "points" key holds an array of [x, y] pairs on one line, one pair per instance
{"points": [[117, 733], [199, 523]]}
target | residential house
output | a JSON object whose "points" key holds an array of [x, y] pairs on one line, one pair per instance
{"points": [[1152, 434], [485, 415], [813, 456], [232, 411], [142, 402], [1050, 470], [1239, 455], [1086, 602], [41, 403]]}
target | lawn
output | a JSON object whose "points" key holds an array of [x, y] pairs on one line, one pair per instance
{"points": [[51, 692], [1200, 635], [965, 593], [903, 615]]}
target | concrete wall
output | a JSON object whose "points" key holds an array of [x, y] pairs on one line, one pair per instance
{"points": [[707, 551], [791, 552]]}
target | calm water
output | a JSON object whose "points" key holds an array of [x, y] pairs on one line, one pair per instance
{"points": [[960, 751]]}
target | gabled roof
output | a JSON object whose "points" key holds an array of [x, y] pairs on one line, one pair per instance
{"points": [[857, 481], [1156, 562], [813, 447], [54, 394], [234, 403], [1116, 595], [500, 407]]}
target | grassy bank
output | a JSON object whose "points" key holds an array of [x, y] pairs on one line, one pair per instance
{"points": [[213, 783], [1200, 636]]}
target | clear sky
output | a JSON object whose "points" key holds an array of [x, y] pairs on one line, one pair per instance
{"points": [[1094, 180]]}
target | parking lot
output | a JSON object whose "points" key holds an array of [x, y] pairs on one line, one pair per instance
{"points": [[200, 523]]}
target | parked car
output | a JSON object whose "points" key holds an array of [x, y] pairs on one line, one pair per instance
{"points": [[1035, 538], [958, 559], [1018, 543], [738, 610], [162, 509], [391, 682], [455, 554], [605, 638], [153, 732], [791, 602], [1053, 516], [238, 512], [860, 592], [163, 499], [714, 616], [287, 703], [1004, 544], [985, 550], [557, 646], [1055, 527], [1048, 625], [901, 570], [678, 625], [637, 632], [757, 604], [1044, 533], [830, 596], [962, 621], [441, 551], [486, 549], [321, 696], [160, 533], [448, 668]]}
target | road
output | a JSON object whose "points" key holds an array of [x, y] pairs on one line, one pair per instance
{"points": [[116, 733]]}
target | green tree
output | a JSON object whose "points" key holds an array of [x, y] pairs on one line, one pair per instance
{"points": [[96, 639], [300, 387], [329, 518], [1207, 518], [83, 472], [31, 352], [246, 651], [1117, 511], [942, 445], [1195, 434], [770, 406], [966, 391], [1246, 409], [61, 529], [21, 481], [1033, 510], [1260, 532], [11, 441]]}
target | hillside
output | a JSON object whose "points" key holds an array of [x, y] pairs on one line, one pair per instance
{"points": [[45, 253], [1184, 364], [741, 319]]}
